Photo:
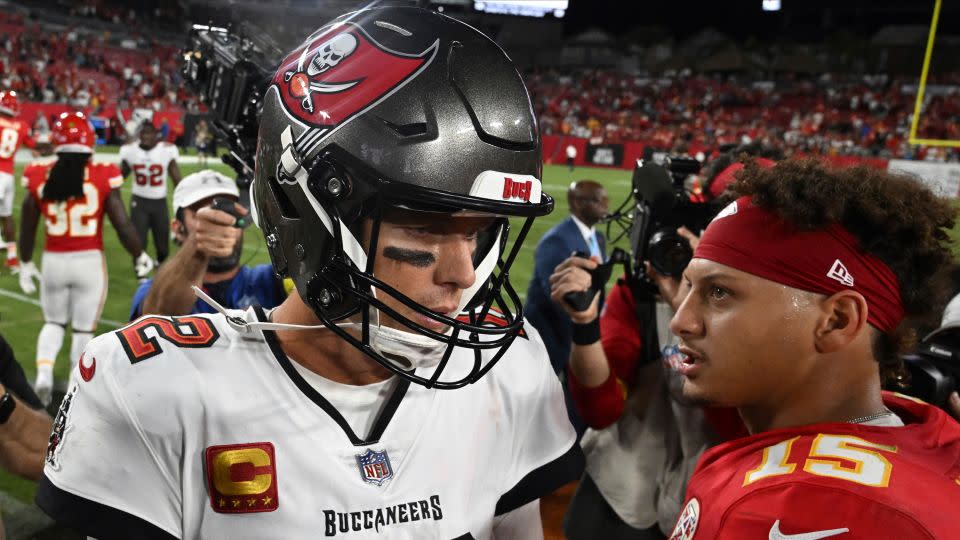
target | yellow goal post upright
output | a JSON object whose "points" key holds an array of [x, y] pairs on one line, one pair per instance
{"points": [[923, 85]]}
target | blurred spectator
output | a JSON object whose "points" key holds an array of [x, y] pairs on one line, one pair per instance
{"points": [[203, 140], [571, 156]]}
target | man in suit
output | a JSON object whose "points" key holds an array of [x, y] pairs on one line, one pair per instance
{"points": [[588, 202]]}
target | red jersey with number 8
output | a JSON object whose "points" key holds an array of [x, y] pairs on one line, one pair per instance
{"points": [[843, 480], [76, 224], [13, 133]]}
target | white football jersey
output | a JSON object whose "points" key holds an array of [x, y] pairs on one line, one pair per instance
{"points": [[186, 428], [149, 167]]}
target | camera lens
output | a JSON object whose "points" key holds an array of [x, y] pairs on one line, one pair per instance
{"points": [[669, 252]]}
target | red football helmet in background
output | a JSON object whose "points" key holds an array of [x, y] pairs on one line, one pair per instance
{"points": [[72, 132], [9, 104]]}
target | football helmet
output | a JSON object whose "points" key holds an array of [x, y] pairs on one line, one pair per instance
{"points": [[398, 108], [73, 133], [9, 103]]}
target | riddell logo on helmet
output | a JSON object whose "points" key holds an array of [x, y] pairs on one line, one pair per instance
{"points": [[340, 71], [517, 190]]}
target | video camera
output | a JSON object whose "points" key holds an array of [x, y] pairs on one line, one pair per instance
{"points": [[934, 368], [659, 203], [230, 70]]}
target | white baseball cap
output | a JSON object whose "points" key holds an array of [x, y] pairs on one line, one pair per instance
{"points": [[200, 185]]}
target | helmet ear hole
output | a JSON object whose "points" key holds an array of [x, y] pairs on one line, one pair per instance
{"points": [[287, 209]]}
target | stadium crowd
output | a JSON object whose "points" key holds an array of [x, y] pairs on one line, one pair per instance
{"points": [[87, 71], [853, 115], [858, 115]]}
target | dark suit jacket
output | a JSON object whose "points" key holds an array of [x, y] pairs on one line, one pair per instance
{"points": [[548, 318]]}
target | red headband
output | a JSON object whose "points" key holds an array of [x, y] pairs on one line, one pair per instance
{"points": [[825, 261], [726, 176]]}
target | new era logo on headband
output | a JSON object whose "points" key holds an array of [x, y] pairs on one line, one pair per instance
{"points": [[840, 273]]}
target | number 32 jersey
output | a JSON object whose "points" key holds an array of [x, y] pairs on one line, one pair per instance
{"points": [[849, 481], [185, 428], [76, 224]]}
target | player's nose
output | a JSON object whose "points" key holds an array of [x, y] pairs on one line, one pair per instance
{"points": [[687, 322], [455, 264]]}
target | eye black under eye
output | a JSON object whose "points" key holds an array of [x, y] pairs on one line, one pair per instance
{"points": [[413, 257]]}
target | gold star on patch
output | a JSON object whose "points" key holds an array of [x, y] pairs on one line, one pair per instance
{"points": [[266, 500], [251, 502], [222, 502], [236, 503]]}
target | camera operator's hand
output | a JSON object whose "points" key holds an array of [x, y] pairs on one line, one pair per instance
{"points": [[953, 406], [215, 234], [668, 285], [573, 275]]}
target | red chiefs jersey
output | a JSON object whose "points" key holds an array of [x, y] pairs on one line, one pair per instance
{"points": [[77, 224], [849, 481], [13, 133]]}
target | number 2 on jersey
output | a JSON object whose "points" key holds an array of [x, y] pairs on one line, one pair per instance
{"points": [[835, 456], [193, 332]]}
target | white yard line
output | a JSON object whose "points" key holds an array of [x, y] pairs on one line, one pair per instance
{"points": [[24, 156], [28, 300]]}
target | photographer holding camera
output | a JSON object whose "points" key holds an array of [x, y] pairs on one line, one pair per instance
{"points": [[211, 241], [588, 203], [645, 439]]}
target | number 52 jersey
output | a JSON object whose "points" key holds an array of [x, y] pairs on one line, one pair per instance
{"points": [[185, 428], [849, 481]]}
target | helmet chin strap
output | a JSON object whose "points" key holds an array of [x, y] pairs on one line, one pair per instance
{"points": [[406, 350], [242, 325]]}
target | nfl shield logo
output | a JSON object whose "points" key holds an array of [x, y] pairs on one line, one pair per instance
{"points": [[374, 467]]}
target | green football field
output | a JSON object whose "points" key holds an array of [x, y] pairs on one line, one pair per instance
{"points": [[21, 317]]}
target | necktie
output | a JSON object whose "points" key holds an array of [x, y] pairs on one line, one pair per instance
{"points": [[594, 247]]}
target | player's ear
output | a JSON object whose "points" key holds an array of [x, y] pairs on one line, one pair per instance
{"points": [[179, 231], [843, 317]]}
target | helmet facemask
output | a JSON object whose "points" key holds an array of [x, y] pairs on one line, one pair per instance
{"points": [[368, 311]]}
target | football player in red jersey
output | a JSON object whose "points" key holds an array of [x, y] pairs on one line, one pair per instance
{"points": [[13, 133], [794, 312], [72, 193]]}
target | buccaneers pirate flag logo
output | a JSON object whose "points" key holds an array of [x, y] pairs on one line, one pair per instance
{"points": [[340, 71]]}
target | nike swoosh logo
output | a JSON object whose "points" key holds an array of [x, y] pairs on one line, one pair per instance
{"points": [[775, 533]]}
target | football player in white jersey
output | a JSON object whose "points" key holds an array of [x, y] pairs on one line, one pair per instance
{"points": [[150, 161], [396, 392]]}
